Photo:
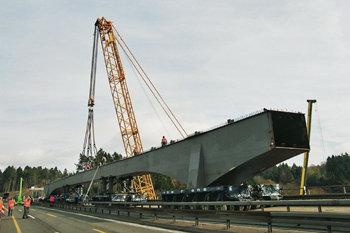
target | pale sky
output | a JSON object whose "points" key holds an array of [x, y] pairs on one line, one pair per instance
{"points": [[210, 60]]}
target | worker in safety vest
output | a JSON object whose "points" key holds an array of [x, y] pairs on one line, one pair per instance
{"points": [[26, 205], [52, 199], [87, 166], [10, 206], [103, 160], [2, 208], [136, 151], [164, 141]]}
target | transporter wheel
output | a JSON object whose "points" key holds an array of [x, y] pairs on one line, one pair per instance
{"points": [[221, 207], [239, 207], [184, 207], [195, 207], [247, 207]]}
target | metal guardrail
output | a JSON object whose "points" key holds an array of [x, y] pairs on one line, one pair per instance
{"points": [[329, 220], [318, 196]]}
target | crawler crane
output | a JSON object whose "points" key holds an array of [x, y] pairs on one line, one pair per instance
{"points": [[121, 98]]}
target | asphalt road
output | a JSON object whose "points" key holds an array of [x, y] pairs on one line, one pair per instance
{"points": [[47, 220], [44, 220]]}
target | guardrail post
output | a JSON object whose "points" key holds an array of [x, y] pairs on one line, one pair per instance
{"points": [[109, 211], [173, 219], [128, 214], [262, 208], [155, 217], [140, 215], [344, 189], [228, 224], [118, 212], [269, 228], [288, 208], [102, 211], [329, 228], [319, 209], [95, 210], [196, 222]]}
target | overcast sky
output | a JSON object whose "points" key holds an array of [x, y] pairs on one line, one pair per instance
{"points": [[210, 60]]}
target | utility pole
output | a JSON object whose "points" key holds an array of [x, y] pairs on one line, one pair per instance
{"points": [[306, 154]]}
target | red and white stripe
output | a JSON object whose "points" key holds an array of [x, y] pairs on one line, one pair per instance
{"points": [[3, 209]]}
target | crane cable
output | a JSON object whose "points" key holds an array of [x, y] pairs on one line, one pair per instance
{"points": [[149, 100], [320, 129], [155, 96]]}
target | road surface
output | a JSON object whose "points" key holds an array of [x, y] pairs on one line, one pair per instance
{"points": [[44, 220]]}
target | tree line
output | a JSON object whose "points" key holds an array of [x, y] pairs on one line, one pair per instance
{"points": [[335, 171]]}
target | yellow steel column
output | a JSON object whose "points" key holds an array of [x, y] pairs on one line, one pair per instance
{"points": [[306, 154]]}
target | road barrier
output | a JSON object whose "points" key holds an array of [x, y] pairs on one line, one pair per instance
{"points": [[329, 220]]}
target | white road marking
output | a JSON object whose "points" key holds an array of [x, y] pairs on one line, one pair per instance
{"points": [[125, 223]]}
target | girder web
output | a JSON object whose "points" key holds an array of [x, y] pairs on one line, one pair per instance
{"points": [[122, 102]]}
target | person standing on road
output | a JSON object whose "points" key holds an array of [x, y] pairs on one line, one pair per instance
{"points": [[10, 206], [2, 208], [26, 205]]}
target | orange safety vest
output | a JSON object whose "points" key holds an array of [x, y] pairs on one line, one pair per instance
{"points": [[136, 150], [26, 202], [2, 208], [11, 203], [52, 198], [164, 140]]}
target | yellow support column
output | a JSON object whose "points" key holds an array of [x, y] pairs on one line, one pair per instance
{"points": [[306, 154]]}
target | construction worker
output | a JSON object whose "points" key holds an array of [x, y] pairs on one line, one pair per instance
{"points": [[87, 166], [2, 208], [103, 160], [136, 151], [26, 205], [164, 141], [10, 206]]}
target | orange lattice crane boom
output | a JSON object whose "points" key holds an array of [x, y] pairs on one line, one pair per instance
{"points": [[122, 102]]}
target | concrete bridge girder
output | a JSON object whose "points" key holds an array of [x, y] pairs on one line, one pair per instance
{"points": [[229, 154]]}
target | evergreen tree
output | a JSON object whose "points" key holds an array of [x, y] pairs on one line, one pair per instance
{"points": [[65, 173], [337, 169]]}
